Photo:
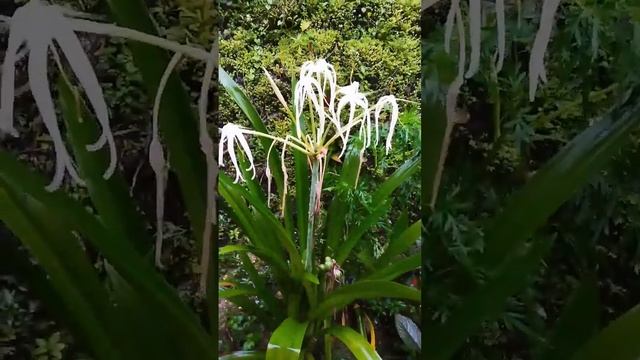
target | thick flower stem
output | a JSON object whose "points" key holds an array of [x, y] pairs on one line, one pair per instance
{"points": [[313, 200]]}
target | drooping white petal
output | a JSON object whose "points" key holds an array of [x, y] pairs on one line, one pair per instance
{"points": [[475, 32], [351, 95], [268, 173], [232, 133], [157, 159], [451, 18], [501, 33], [37, 72], [325, 80], [537, 70], [382, 103], [309, 89], [454, 87], [16, 38], [81, 66], [206, 146], [275, 89]]}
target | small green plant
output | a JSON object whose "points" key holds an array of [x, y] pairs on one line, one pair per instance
{"points": [[50, 348]]}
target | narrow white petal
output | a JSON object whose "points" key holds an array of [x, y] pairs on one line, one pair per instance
{"points": [[501, 33], [536, 62], [223, 139], [81, 66], [384, 101], [37, 71], [234, 159], [268, 173], [247, 151], [8, 81], [451, 18], [454, 87], [475, 32], [276, 90]]}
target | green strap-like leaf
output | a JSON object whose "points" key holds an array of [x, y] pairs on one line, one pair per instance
{"points": [[118, 251], [270, 222], [361, 290], [244, 355], [110, 196], [357, 233], [441, 341], [396, 268], [71, 276], [404, 172], [380, 198], [558, 180], [617, 341], [338, 209], [577, 323], [286, 341], [402, 243], [358, 345]]}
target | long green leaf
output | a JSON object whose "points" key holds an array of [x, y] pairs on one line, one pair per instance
{"points": [[244, 355], [270, 222], [577, 323], [380, 198], [397, 268], [301, 176], [402, 243], [119, 252], [558, 180], [443, 340], [110, 196], [70, 273], [338, 209], [286, 341], [345, 295], [357, 233], [358, 345], [617, 341], [404, 172]]}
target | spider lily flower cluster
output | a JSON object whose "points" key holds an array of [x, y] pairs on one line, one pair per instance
{"points": [[537, 72], [323, 113], [39, 28]]}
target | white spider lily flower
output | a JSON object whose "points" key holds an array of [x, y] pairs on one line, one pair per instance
{"points": [[36, 26], [308, 88], [324, 79], [351, 95], [230, 133], [384, 101], [537, 70], [310, 99]]}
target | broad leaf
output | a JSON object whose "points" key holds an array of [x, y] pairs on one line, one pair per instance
{"points": [[286, 341], [357, 344]]}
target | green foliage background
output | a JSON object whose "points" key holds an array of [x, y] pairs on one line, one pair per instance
{"points": [[374, 42], [590, 64]]}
